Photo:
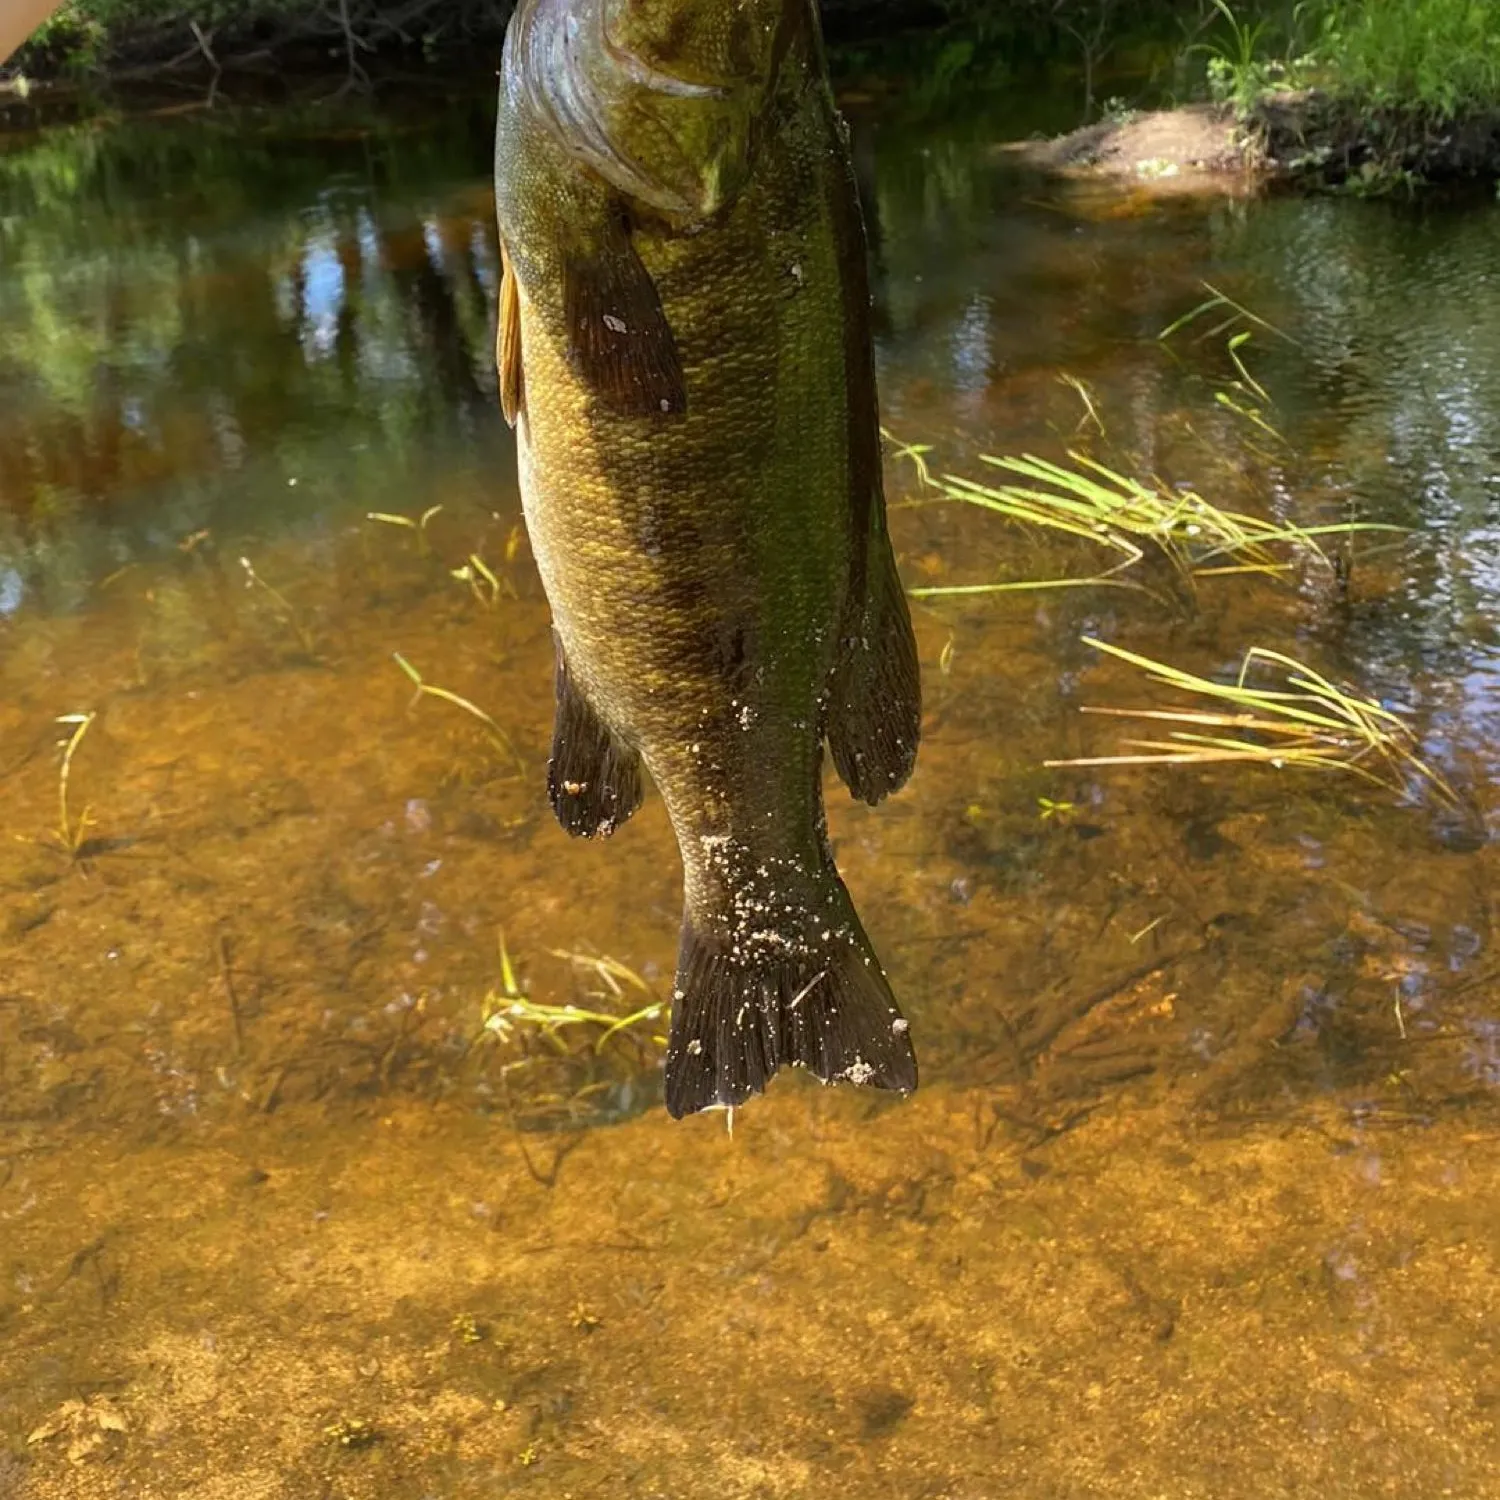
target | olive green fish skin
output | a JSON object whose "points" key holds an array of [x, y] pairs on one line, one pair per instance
{"points": [[699, 558]]}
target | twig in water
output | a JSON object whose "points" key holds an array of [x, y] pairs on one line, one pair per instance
{"points": [[288, 614], [226, 977], [205, 47]]}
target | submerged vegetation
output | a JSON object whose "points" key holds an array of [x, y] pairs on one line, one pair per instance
{"points": [[1137, 520], [286, 612], [1301, 718], [71, 832], [1305, 722], [1096, 503], [497, 736], [570, 1060]]}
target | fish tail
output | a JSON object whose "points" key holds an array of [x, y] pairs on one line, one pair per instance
{"points": [[744, 1008]]}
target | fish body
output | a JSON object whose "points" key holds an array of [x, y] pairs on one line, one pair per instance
{"points": [[685, 352]]}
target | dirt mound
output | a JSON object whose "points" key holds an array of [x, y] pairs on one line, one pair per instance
{"points": [[1171, 149]]}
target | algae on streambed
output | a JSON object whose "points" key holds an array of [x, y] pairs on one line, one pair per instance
{"points": [[1198, 1195]]}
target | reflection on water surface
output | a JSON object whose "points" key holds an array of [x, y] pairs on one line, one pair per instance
{"points": [[1198, 1196]]}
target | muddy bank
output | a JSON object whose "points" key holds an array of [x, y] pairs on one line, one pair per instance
{"points": [[1310, 137], [1190, 148], [1305, 139]]}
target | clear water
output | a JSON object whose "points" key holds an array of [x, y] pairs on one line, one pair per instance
{"points": [[1198, 1197]]}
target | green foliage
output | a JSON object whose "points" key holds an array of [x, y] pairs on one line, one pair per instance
{"points": [[104, 36], [71, 37], [1439, 56], [1238, 72], [1436, 58]]}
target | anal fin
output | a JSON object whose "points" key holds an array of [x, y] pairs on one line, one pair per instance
{"points": [[875, 694], [593, 779]]}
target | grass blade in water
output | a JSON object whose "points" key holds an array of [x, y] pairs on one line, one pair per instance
{"points": [[1307, 721]]}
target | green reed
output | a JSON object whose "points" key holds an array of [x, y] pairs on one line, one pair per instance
{"points": [[417, 525], [1092, 502], [1301, 721], [71, 834], [426, 689], [509, 1014], [1224, 317], [484, 583]]}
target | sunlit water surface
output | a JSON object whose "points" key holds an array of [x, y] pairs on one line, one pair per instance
{"points": [[1199, 1195]]}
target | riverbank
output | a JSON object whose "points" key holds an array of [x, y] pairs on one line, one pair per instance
{"points": [[1301, 138], [947, 44], [1350, 95]]}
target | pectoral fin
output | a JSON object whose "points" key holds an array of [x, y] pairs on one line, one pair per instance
{"points": [[618, 336], [508, 344], [593, 780]]}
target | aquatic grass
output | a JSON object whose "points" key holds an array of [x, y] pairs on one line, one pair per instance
{"points": [[1233, 314], [285, 609], [550, 1020], [1244, 396], [1058, 811], [1066, 520], [510, 1014], [1125, 516], [484, 583], [417, 525], [1303, 721], [426, 689], [71, 834]]}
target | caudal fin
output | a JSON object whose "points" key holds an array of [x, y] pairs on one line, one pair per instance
{"points": [[742, 1010]]}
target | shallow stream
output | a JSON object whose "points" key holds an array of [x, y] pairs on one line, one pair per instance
{"points": [[1199, 1196]]}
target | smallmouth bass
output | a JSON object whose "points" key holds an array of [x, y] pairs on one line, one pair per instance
{"points": [[685, 353]]}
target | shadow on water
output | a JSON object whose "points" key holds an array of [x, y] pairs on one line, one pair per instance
{"points": [[303, 1188]]}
